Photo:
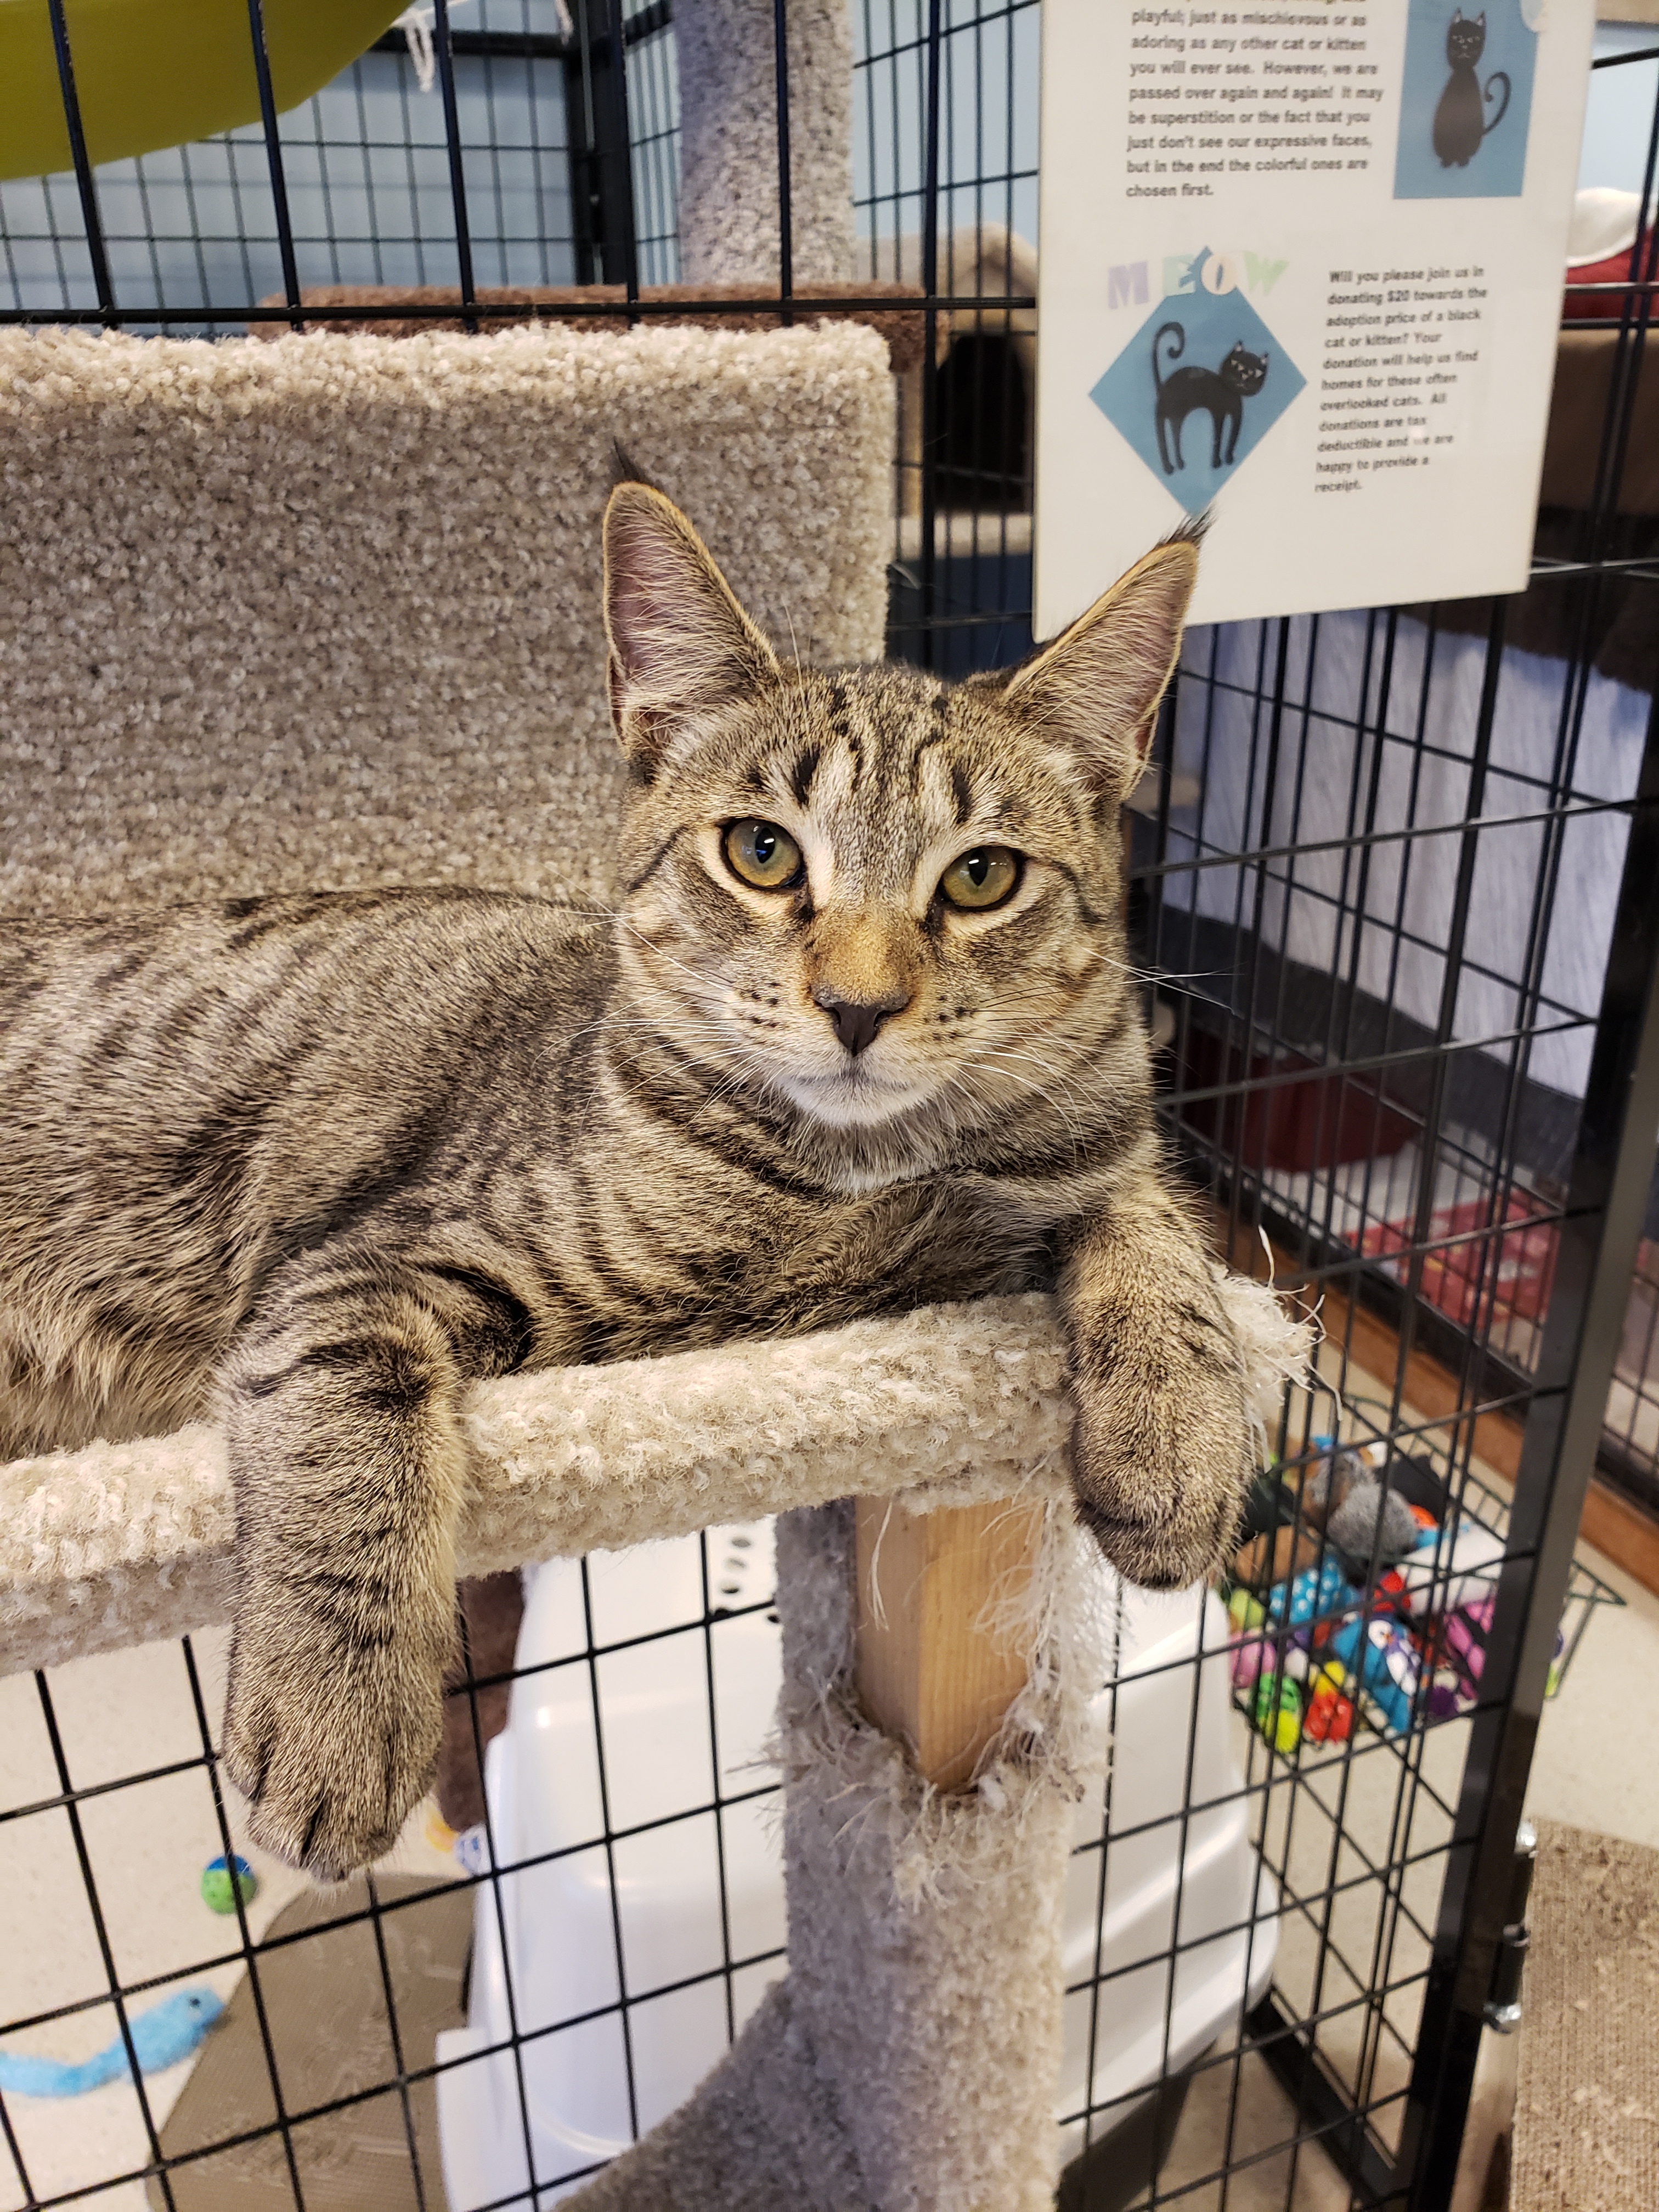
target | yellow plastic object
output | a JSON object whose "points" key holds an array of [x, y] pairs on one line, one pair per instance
{"points": [[153, 73]]}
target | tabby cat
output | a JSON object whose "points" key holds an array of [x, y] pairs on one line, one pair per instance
{"points": [[861, 1032]]}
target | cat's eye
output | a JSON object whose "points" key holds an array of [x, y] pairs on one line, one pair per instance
{"points": [[984, 878], [761, 854]]}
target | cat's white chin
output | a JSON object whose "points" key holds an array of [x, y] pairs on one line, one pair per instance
{"points": [[853, 1097]]}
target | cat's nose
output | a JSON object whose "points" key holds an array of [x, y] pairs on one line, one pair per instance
{"points": [[856, 1021]]}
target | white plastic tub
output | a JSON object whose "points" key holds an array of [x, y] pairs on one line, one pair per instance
{"points": [[681, 1704], [1189, 1925]]}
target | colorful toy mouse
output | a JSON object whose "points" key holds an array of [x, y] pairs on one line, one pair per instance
{"points": [[1329, 1717], [1372, 1523], [1279, 1712]]}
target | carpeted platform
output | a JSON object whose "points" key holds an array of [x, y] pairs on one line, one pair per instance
{"points": [[507, 307], [326, 612], [1587, 2106]]}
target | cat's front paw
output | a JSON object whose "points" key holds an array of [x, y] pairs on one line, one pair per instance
{"points": [[331, 1746], [1160, 1469]]}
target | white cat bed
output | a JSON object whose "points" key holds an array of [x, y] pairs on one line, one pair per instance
{"points": [[326, 612]]}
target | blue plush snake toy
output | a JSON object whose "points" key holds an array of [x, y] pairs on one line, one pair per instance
{"points": [[161, 2037]]}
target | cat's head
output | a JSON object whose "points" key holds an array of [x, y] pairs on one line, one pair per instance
{"points": [[890, 905], [1465, 37], [1244, 371]]}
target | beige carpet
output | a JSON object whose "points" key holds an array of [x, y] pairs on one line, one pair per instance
{"points": [[1587, 2108], [326, 612]]}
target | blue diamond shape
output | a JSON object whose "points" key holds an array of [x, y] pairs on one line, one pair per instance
{"points": [[1194, 334]]}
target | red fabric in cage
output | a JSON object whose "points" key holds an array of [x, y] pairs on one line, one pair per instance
{"points": [[1460, 1279], [1617, 269]]}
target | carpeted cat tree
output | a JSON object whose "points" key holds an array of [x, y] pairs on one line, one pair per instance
{"points": [[729, 203], [326, 612]]}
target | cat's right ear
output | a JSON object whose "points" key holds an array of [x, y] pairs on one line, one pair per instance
{"points": [[680, 645]]}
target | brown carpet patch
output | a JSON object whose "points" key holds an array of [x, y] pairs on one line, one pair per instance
{"points": [[324, 1999], [1587, 2110]]}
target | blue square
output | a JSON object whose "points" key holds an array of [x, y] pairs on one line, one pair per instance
{"points": [[1197, 389], [1466, 102]]}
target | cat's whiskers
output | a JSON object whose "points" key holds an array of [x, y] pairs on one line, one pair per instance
{"points": [[1052, 1073], [1175, 975], [651, 1023], [1057, 1087], [1044, 1091], [718, 1094], [748, 1083], [701, 981]]}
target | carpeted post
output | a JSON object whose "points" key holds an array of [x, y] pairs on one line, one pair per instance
{"points": [[729, 212], [924, 1926], [910, 2060]]}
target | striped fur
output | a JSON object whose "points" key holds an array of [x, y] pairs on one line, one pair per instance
{"points": [[321, 1162]]}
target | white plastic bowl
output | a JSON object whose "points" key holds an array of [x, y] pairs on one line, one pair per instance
{"points": [[681, 1704]]}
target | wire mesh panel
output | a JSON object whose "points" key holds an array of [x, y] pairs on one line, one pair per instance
{"points": [[1388, 877], [945, 161], [651, 1909], [376, 185]]}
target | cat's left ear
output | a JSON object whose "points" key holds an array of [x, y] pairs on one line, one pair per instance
{"points": [[680, 644], [1096, 689]]}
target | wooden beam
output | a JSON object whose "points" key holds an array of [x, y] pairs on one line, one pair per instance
{"points": [[935, 1666], [1628, 1536]]}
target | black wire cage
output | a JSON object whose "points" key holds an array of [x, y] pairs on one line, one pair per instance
{"points": [[1391, 880]]}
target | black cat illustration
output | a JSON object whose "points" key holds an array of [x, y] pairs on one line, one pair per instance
{"points": [[1221, 392], [1458, 125]]}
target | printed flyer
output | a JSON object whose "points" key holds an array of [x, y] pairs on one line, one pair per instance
{"points": [[1300, 270]]}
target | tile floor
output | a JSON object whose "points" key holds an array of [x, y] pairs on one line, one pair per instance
{"points": [[123, 1713]]}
